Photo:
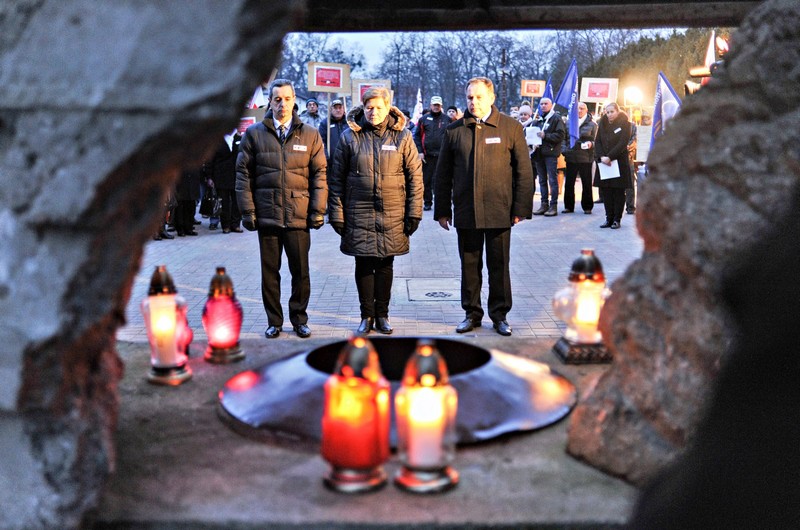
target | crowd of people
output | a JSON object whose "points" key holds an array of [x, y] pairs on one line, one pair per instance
{"points": [[371, 173]]}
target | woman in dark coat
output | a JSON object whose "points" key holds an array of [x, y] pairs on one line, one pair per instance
{"points": [[375, 200], [187, 192], [613, 133]]}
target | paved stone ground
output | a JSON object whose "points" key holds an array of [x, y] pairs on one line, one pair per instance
{"points": [[179, 466], [425, 294]]}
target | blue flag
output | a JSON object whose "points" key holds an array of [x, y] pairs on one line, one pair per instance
{"points": [[667, 104], [548, 90], [567, 97]]}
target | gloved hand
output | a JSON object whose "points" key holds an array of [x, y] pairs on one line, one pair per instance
{"points": [[249, 220], [316, 221], [410, 225], [338, 227]]}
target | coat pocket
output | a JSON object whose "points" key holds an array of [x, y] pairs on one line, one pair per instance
{"points": [[300, 200]]}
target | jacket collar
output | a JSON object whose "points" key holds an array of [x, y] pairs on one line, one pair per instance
{"points": [[493, 120]]}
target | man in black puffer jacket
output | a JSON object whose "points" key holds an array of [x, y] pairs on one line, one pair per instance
{"points": [[282, 189]]}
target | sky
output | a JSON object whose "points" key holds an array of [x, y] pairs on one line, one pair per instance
{"points": [[370, 44]]}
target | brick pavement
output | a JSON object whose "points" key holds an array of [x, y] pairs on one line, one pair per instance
{"points": [[425, 296]]}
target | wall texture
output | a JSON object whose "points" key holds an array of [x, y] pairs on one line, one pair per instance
{"points": [[722, 176]]}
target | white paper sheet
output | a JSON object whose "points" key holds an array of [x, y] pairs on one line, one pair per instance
{"points": [[532, 136], [608, 172]]}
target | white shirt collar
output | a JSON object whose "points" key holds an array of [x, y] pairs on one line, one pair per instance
{"points": [[288, 124]]}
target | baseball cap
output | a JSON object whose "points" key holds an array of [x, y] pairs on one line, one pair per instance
{"points": [[436, 99], [336, 102]]}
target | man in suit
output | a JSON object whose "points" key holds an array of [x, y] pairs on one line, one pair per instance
{"points": [[484, 166]]}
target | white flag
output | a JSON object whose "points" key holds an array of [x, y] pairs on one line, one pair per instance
{"points": [[257, 100], [417, 108]]}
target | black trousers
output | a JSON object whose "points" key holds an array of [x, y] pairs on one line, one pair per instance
{"points": [[184, 216], [374, 283], [614, 202], [272, 242], [584, 170], [428, 171], [229, 214], [471, 243]]}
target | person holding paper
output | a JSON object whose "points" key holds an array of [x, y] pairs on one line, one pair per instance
{"points": [[552, 133], [579, 160], [613, 170]]}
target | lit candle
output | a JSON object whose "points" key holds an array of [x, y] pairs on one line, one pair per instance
{"points": [[222, 320], [355, 422], [425, 407], [162, 326]]}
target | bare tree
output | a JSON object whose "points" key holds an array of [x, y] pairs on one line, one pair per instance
{"points": [[301, 48]]}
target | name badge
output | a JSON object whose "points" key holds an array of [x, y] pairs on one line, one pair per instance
{"points": [[299, 148], [493, 140], [388, 148], [618, 129]]}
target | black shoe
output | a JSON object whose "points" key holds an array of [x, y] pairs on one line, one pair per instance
{"points": [[364, 327], [302, 330], [605, 225], [181, 233], [598, 201], [614, 225], [166, 235], [157, 237], [237, 229], [630, 212], [553, 210], [587, 212], [226, 230], [467, 325], [213, 226], [503, 328], [567, 211], [382, 326], [427, 207], [195, 221], [191, 233], [272, 332], [543, 208]]}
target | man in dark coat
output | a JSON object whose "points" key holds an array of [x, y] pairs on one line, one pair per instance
{"points": [[282, 189], [338, 124], [545, 157], [484, 167], [223, 175], [579, 158], [428, 138], [611, 150]]}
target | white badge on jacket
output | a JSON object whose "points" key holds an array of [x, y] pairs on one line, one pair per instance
{"points": [[300, 148], [494, 140], [388, 148]]}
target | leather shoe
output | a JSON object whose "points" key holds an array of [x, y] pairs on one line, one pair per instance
{"points": [[614, 225], [302, 330], [467, 325], [364, 327], [605, 225], [191, 233], [382, 326], [567, 211], [503, 328], [237, 229], [272, 332], [587, 212]]}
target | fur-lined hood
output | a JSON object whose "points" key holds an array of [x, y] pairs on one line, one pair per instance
{"points": [[356, 119]]}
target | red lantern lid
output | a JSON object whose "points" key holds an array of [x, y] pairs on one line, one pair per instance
{"points": [[221, 284], [161, 282], [587, 267], [359, 359]]}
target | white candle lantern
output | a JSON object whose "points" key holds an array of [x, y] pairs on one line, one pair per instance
{"points": [[579, 306], [168, 332], [425, 407]]}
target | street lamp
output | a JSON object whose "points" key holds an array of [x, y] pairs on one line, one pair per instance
{"points": [[579, 306]]}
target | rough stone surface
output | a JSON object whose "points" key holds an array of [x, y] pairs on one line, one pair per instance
{"points": [[100, 105], [720, 177]]}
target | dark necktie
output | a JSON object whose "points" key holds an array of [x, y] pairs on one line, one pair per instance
{"points": [[282, 129]]}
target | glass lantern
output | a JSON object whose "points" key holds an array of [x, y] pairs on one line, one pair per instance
{"points": [[355, 422], [168, 331], [579, 305], [425, 408], [222, 320]]}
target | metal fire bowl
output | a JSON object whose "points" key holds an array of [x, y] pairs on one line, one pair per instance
{"points": [[498, 392]]}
